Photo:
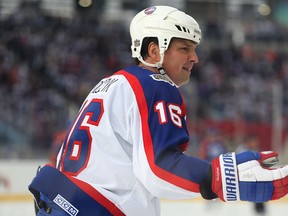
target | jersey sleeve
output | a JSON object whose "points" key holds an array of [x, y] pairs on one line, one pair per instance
{"points": [[159, 139]]}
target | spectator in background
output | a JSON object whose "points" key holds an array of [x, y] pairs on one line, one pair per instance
{"points": [[212, 145], [250, 142]]}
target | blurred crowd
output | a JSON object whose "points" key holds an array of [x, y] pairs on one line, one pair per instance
{"points": [[240, 83], [49, 64]]}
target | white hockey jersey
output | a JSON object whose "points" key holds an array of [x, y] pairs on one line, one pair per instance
{"points": [[127, 144]]}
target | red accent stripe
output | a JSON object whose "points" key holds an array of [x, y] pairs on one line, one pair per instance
{"points": [[148, 143], [87, 188]]}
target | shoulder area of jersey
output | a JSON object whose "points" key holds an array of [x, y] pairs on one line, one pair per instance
{"points": [[105, 84]]}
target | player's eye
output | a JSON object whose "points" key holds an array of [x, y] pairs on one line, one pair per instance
{"points": [[186, 49]]}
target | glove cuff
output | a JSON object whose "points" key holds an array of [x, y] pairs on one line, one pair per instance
{"points": [[225, 176], [206, 187]]}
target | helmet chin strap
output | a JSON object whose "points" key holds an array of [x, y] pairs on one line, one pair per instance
{"points": [[159, 66]]}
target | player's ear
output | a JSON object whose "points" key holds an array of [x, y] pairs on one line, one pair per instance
{"points": [[154, 51]]}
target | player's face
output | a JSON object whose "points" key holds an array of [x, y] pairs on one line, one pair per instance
{"points": [[179, 60]]}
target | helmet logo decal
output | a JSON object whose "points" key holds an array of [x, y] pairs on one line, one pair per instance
{"points": [[149, 10], [136, 42]]}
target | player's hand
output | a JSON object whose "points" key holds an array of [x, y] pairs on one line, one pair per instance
{"points": [[247, 176]]}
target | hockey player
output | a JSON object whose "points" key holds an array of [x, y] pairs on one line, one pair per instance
{"points": [[125, 149]]}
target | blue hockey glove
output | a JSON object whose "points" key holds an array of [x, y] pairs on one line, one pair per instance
{"points": [[246, 176]]}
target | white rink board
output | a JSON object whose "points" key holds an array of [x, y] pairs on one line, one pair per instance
{"points": [[15, 200]]}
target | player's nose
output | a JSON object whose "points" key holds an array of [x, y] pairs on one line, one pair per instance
{"points": [[193, 57]]}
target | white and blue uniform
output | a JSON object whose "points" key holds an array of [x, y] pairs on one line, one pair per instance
{"points": [[125, 150]]}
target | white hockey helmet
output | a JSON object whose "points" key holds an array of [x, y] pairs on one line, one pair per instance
{"points": [[164, 23]]}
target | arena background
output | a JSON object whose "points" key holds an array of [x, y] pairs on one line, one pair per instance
{"points": [[52, 52]]}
